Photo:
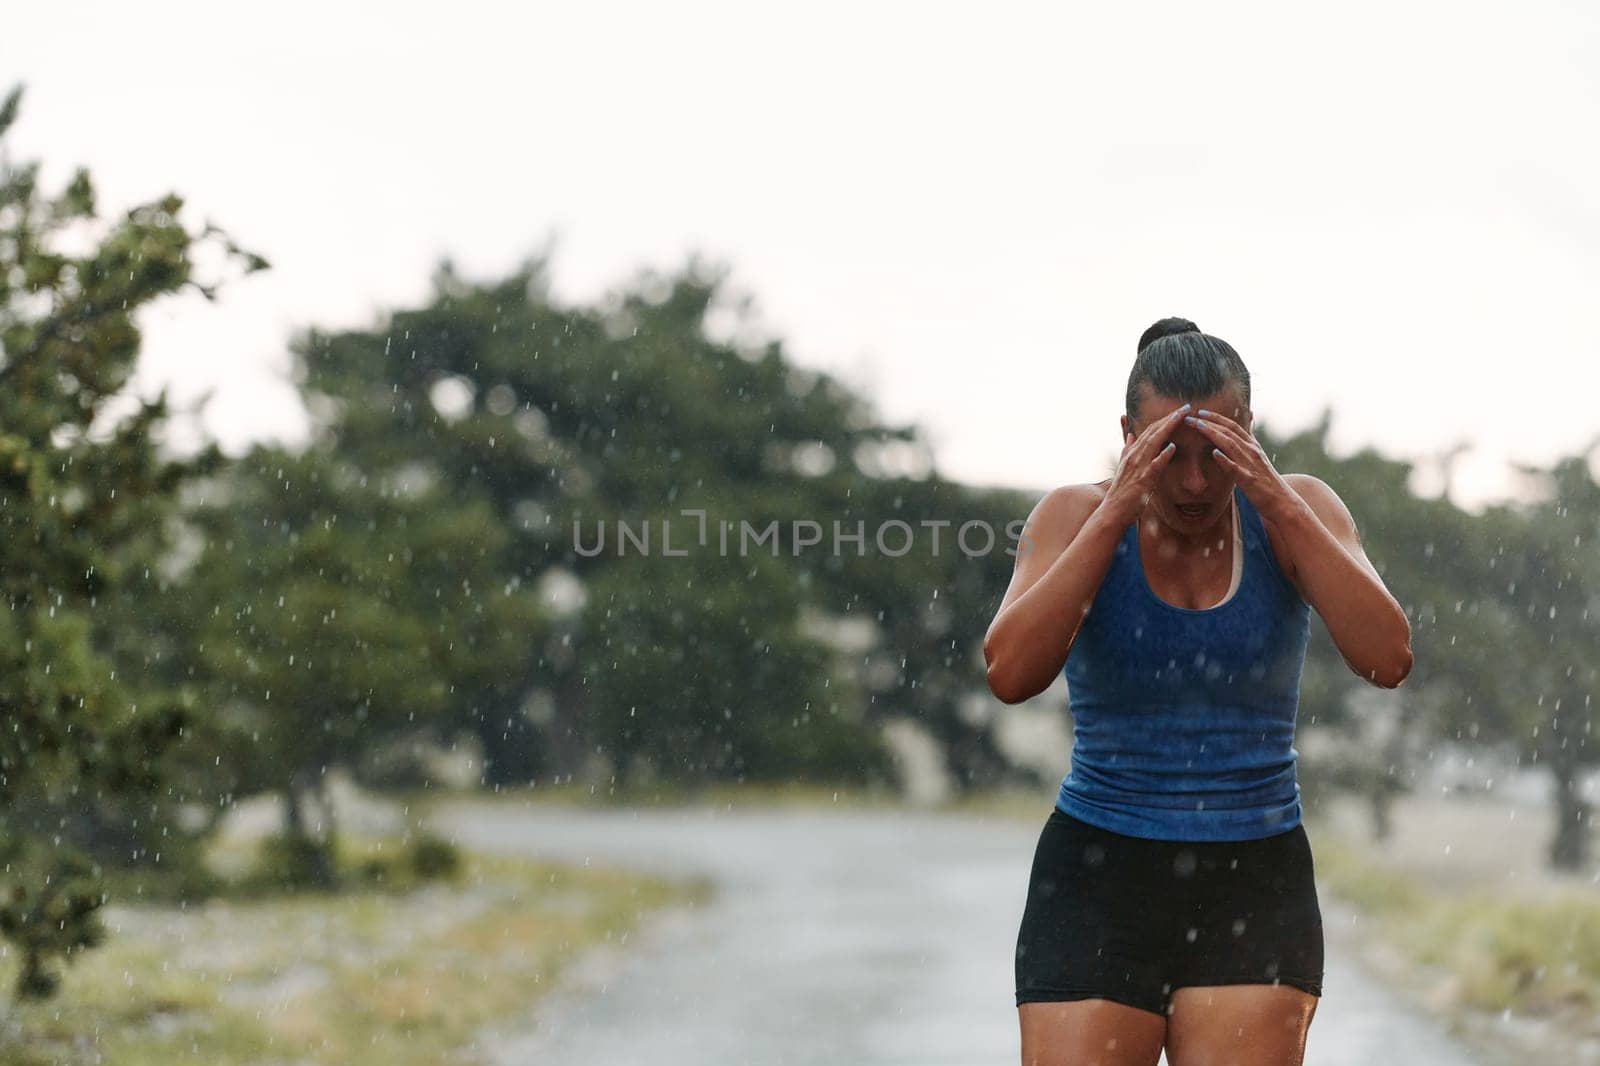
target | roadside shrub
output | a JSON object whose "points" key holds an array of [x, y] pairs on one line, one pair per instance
{"points": [[291, 862], [433, 856]]}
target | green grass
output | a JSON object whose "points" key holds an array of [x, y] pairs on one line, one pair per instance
{"points": [[1530, 953], [387, 990]]}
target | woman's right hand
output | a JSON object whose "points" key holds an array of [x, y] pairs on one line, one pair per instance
{"points": [[1143, 458]]}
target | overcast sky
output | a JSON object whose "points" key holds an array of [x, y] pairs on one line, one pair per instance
{"points": [[972, 212]]}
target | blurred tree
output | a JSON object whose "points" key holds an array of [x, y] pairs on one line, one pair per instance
{"points": [[930, 573], [564, 418], [1548, 590], [331, 611], [697, 669], [1503, 607], [84, 498]]}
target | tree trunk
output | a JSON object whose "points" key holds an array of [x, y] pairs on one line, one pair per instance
{"points": [[565, 738], [975, 761], [296, 829], [1387, 782], [1570, 849], [513, 751], [330, 817], [1382, 814]]}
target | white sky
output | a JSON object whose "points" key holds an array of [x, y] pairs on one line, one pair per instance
{"points": [[972, 212]]}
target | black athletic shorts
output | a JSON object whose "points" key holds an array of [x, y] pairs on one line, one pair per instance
{"points": [[1130, 919]]}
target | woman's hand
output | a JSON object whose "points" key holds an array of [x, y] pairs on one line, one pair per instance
{"points": [[1239, 453], [1139, 467]]}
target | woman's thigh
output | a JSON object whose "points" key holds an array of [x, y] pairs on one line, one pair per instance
{"points": [[1090, 1032], [1239, 1025]]}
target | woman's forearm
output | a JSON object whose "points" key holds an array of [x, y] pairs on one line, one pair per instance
{"points": [[1028, 643], [1366, 623]]}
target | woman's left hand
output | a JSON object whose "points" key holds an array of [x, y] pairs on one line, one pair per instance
{"points": [[1238, 452]]}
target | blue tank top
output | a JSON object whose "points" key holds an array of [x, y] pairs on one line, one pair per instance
{"points": [[1183, 720]]}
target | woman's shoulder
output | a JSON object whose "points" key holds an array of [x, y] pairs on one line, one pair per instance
{"points": [[1076, 497], [1062, 511], [1093, 493]]}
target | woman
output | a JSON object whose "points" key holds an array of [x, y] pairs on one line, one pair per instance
{"points": [[1171, 903]]}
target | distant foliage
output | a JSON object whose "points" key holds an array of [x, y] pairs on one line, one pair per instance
{"points": [[84, 500]]}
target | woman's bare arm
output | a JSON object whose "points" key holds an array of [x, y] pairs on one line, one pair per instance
{"points": [[1331, 569], [1066, 548]]}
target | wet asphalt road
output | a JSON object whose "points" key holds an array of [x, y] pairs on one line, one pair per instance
{"points": [[837, 937]]}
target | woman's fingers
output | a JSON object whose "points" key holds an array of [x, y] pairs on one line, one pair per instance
{"points": [[1159, 430], [1227, 440], [1226, 431], [1219, 419], [1162, 458]]}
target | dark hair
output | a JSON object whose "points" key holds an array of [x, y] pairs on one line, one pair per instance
{"points": [[1178, 361]]}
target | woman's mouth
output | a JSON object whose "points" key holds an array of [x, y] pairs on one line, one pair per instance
{"points": [[1197, 511]]}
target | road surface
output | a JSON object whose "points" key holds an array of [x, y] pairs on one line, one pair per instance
{"points": [[870, 937]]}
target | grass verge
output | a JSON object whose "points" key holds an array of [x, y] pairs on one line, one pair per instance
{"points": [[1530, 953], [403, 975]]}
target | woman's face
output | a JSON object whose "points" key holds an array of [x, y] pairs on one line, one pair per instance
{"points": [[1192, 475]]}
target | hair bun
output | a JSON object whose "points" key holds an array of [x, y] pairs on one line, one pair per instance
{"points": [[1167, 327]]}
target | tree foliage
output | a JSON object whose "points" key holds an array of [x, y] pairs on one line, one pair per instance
{"points": [[84, 498]]}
